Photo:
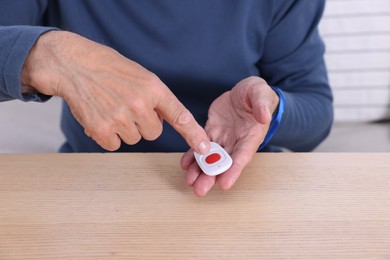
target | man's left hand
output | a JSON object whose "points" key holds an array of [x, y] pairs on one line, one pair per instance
{"points": [[238, 120]]}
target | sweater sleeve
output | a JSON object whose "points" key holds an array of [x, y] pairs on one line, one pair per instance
{"points": [[293, 61], [19, 30]]}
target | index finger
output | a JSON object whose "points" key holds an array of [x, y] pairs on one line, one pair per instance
{"points": [[181, 119]]}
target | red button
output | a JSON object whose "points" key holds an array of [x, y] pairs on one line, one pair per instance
{"points": [[212, 158]]}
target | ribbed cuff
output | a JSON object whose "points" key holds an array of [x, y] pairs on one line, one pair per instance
{"points": [[24, 39]]}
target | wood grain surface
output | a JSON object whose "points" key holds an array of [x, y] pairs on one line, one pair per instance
{"points": [[137, 206]]}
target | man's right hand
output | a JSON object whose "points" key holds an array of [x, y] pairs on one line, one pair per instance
{"points": [[112, 97]]}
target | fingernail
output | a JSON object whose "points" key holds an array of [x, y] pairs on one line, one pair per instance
{"points": [[203, 147]]}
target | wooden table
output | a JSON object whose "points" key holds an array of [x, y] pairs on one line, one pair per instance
{"points": [[136, 206]]}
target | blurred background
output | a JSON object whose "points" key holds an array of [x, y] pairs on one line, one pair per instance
{"points": [[357, 36]]}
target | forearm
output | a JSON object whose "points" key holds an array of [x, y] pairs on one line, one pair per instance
{"points": [[306, 122], [293, 61]]}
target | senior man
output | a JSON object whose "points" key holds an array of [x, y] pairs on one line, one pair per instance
{"points": [[251, 72]]}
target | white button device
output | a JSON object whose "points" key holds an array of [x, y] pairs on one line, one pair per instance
{"points": [[215, 162]]}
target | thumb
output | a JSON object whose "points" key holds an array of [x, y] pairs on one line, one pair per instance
{"points": [[181, 119], [262, 113], [261, 105]]}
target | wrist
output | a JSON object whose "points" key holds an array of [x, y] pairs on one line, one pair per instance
{"points": [[38, 73]]}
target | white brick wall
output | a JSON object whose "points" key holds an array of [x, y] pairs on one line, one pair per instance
{"points": [[357, 36]]}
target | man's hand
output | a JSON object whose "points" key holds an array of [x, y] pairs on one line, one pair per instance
{"points": [[238, 120], [112, 97]]}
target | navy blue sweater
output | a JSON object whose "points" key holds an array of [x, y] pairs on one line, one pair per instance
{"points": [[199, 48]]}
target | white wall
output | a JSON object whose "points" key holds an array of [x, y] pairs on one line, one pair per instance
{"points": [[30, 127], [357, 36]]}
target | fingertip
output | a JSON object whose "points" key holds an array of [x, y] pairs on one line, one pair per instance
{"points": [[225, 183], [265, 116], [203, 185], [200, 192], [229, 178]]}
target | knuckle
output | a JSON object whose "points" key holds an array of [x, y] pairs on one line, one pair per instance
{"points": [[119, 115], [142, 114], [152, 80], [255, 80], [138, 106], [252, 78], [157, 89], [182, 117], [148, 79]]}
